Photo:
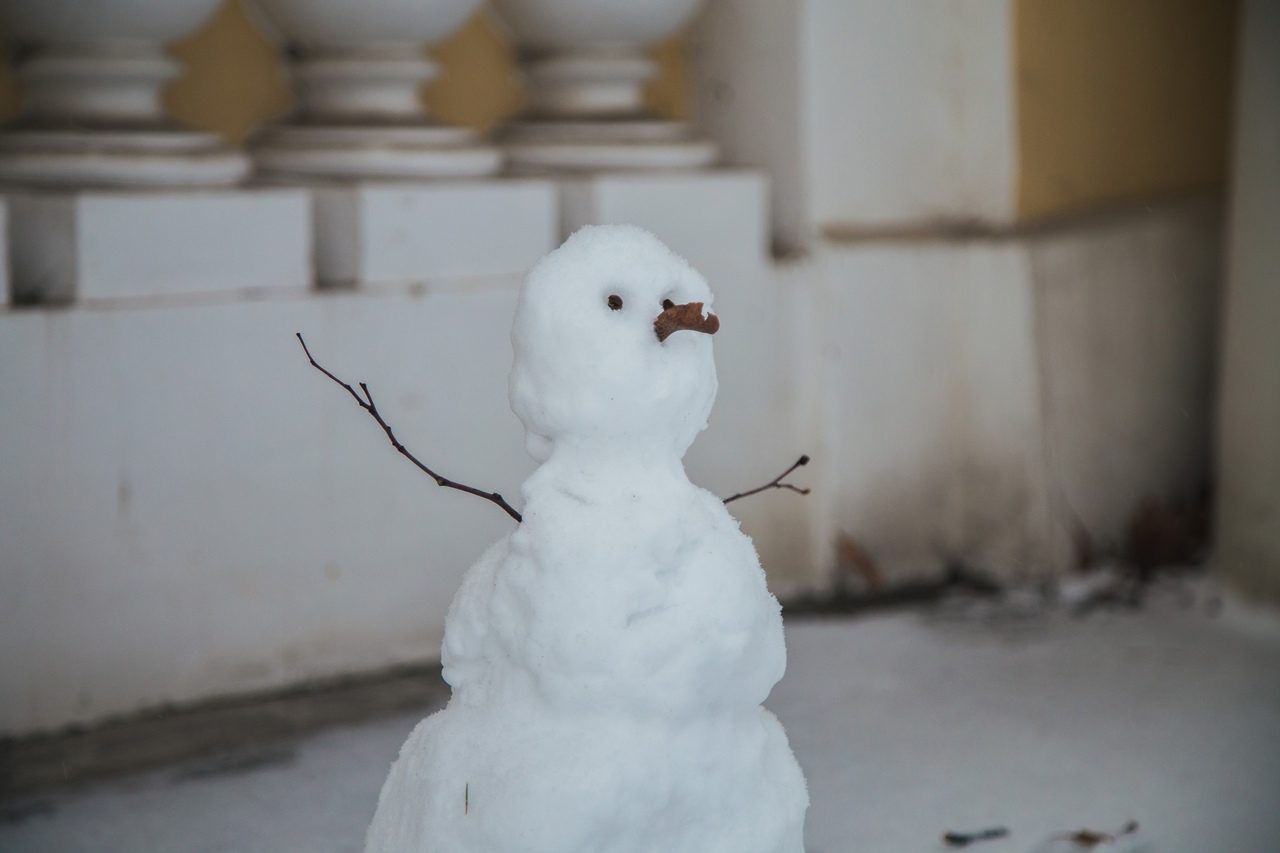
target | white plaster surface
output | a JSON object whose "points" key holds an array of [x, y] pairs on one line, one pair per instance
{"points": [[188, 509], [906, 726], [979, 399], [1126, 333], [393, 233], [931, 418], [104, 244]]}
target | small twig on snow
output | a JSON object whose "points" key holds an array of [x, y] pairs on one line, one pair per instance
{"points": [[1091, 838], [369, 406], [964, 839], [775, 483]]}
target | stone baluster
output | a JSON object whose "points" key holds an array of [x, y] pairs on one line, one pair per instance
{"points": [[91, 78], [585, 63], [358, 69]]}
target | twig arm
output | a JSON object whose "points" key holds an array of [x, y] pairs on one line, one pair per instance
{"points": [[366, 403], [775, 483]]}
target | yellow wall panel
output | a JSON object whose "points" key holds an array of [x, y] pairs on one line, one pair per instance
{"points": [[1119, 99], [232, 78]]}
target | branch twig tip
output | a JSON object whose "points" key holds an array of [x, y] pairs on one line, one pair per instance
{"points": [[776, 483]]}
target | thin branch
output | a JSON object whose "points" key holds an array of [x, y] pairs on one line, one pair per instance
{"points": [[369, 406], [775, 483]]}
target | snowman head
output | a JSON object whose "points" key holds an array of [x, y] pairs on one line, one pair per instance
{"points": [[612, 340]]}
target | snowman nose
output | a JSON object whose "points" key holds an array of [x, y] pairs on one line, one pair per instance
{"points": [[688, 316]]}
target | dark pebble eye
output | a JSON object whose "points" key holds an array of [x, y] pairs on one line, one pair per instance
{"points": [[615, 302], [667, 303]]}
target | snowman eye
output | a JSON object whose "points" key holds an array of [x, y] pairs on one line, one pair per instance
{"points": [[667, 303], [615, 302]]}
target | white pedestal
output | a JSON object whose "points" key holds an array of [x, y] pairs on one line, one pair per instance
{"points": [[394, 233], [357, 72], [406, 153], [108, 244], [585, 65], [704, 216]]}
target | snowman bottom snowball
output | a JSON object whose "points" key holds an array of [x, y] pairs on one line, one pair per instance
{"points": [[608, 657]]}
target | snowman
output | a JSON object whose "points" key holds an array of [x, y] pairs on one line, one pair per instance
{"points": [[609, 656]]}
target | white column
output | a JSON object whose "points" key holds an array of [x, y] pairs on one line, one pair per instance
{"points": [[357, 69], [1247, 550], [585, 63], [91, 84]]}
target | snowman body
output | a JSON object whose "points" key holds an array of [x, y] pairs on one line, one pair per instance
{"points": [[608, 658]]}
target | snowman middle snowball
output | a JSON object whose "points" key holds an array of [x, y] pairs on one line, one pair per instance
{"points": [[608, 657]]}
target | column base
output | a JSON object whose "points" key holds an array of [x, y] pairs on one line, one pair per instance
{"points": [[119, 158], [409, 151], [559, 147]]}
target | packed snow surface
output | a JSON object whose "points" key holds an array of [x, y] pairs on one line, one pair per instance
{"points": [[907, 725], [608, 657]]}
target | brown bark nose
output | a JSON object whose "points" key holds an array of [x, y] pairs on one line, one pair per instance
{"points": [[688, 316]]}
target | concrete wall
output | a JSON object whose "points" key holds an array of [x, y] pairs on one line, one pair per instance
{"points": [[1248, 521], [189, 510], [986, 400], [1126, 332]]}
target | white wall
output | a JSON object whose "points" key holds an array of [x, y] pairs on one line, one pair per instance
{"points": [[981, 398], [1248, 522], [932, 415], [1126, 318], [188, 509]]}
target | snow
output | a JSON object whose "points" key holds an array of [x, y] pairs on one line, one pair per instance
{"points": [[906, 725], [608, 657], [1045, 724], [596, 377]]}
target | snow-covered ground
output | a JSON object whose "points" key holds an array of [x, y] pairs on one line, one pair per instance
{"points": [[906, 725]]}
